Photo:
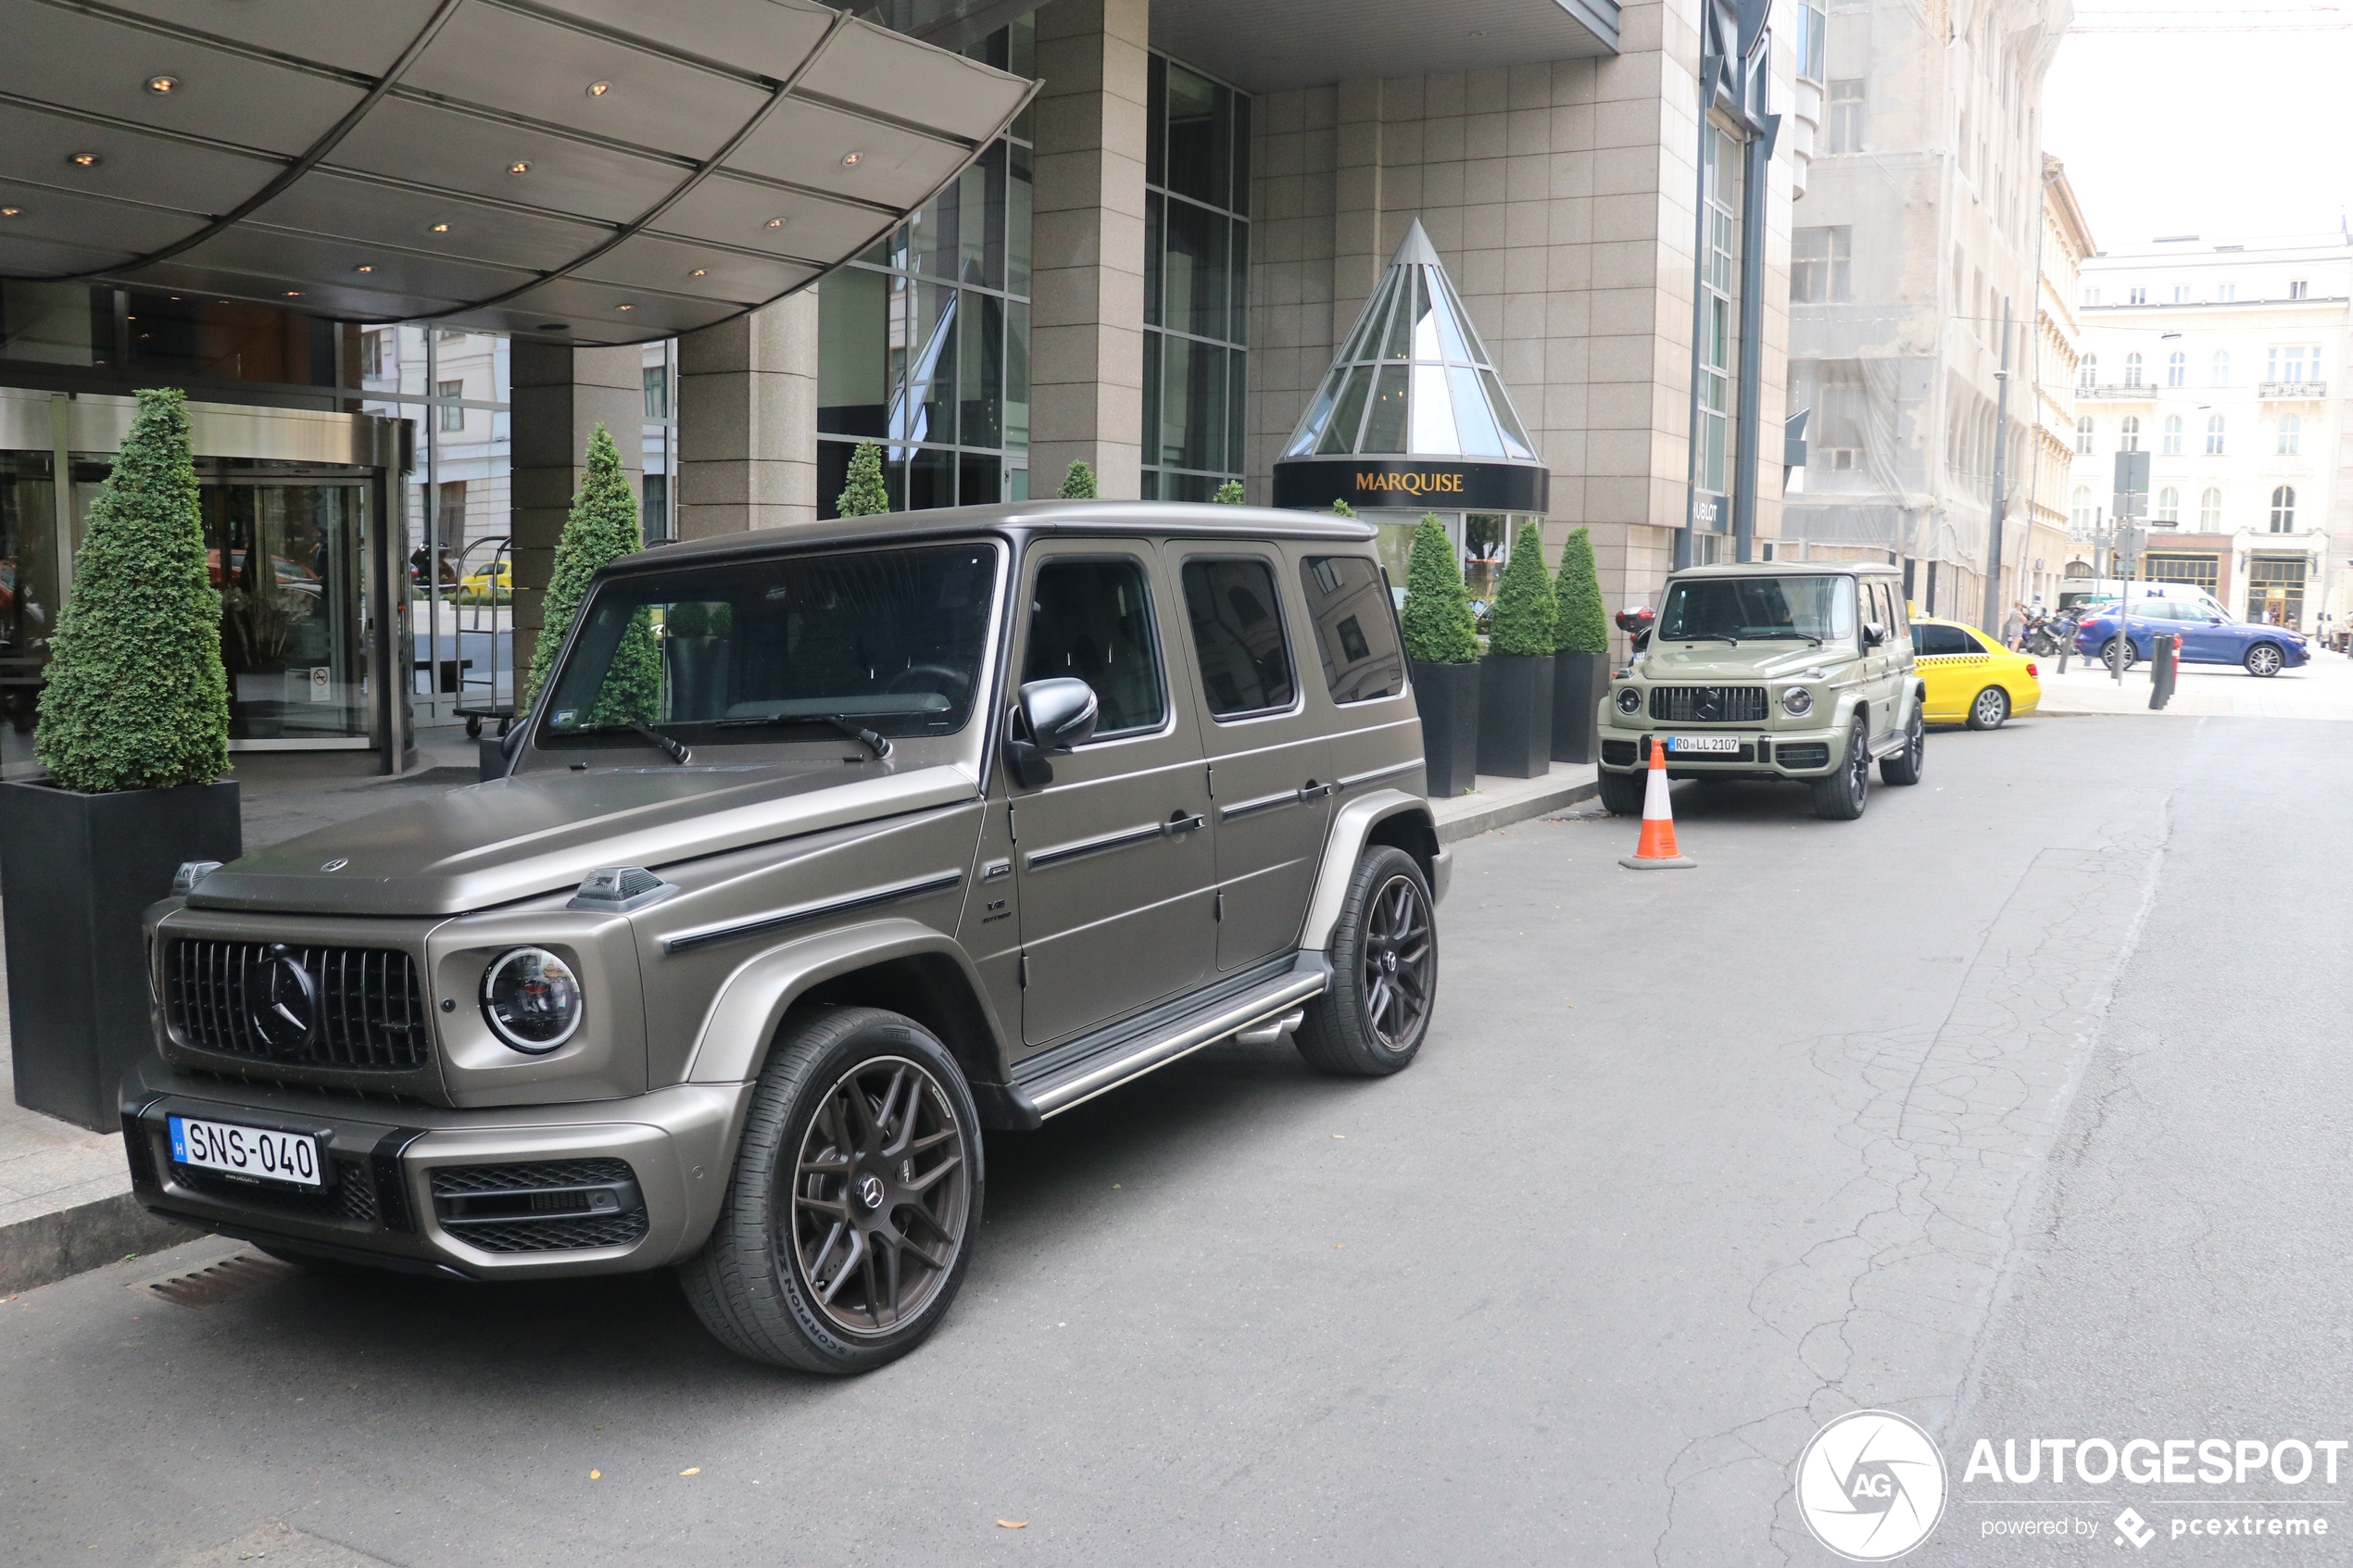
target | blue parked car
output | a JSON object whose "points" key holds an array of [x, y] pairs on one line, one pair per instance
{"points": [[2207, 638]]}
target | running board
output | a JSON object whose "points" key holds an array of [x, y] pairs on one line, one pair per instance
{"points": [[1076, 1072]]}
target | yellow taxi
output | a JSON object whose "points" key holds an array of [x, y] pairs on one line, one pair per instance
{"points": [[1971, 678], [489, 586]]}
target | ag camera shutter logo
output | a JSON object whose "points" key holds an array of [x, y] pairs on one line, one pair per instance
{"points": [[1870, 1485]]}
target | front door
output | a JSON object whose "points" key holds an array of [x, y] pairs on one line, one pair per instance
{"points": [[1117, 873], [1268, 760]]}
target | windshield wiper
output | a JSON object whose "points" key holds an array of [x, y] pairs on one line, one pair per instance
{"points": [[1706, 637], [877, 743], [677, 749], [1792, 632]]}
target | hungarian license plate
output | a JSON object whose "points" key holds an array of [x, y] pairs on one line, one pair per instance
{"points": [[1731, 743], [247, 1151]]}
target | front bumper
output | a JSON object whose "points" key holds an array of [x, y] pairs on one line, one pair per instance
{"points": [[1762, 754], [481, 1194]]}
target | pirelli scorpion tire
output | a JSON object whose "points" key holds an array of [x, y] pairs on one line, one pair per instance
{"points": [[854, 1202], [1384, 953]]}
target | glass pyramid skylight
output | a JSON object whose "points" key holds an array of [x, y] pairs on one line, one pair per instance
{"points": [[1413, 379]]}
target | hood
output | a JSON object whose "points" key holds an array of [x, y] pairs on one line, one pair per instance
{"points": [[1718, 663], [492, 843]]}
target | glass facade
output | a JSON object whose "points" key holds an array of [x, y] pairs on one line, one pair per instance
{"points": [[1719, 331], [1196, 282], [923, 341]]}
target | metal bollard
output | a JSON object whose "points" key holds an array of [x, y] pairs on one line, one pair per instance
{"points": [[2164, 667]]}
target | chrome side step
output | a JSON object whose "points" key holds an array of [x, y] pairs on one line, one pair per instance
{"points": [[1263, 1011]]}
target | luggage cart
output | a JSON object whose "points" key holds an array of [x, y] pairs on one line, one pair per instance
{"points": [[483, 609]]}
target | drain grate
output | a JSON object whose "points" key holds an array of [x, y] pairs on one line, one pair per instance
{"points": [[231, 1279]]}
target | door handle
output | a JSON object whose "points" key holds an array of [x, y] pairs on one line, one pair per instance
{"points": [[1179, 822], [1311, 790]]}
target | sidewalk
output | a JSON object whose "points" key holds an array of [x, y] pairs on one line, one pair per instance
{"points": [[2322, 689]]}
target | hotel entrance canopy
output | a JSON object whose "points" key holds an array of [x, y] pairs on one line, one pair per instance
{"points": [[595, 171]]}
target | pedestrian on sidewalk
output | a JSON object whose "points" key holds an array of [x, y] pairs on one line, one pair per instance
{"points": [[2014, 629]]}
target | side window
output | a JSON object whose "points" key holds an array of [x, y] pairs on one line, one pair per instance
{"points": [[1899, 617], [1356, 627], [1093, 620], [1238, 636], [1940, 640]]}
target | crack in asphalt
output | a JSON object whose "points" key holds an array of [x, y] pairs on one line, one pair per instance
{"points": [[1954, 1127]]}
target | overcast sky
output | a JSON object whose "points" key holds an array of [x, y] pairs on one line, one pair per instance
{"points": [[2235, 132]]}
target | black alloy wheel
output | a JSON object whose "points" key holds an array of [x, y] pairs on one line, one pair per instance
{"points": [[1841, 796], [2264, 660], [1904, 767], [850, 1216], [1384, 957], [2111, 650]]}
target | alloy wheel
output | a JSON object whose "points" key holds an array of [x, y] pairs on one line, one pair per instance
{"points": [[2264, 659], [1858, 764], [880, 1197], [1993, 707], [1397, 960]]}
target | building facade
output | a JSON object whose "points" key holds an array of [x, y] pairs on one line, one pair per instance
{"points": [[2226, 364], [2052, 547], [1914, 257]]}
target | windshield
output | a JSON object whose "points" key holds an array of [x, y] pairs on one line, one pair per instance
{"points": [[892, 639], [1699, 607]]}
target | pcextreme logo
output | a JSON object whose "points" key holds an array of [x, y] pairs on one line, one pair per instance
{"points": [[1871, 1486]]}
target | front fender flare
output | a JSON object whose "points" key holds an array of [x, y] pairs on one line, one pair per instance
{"points": [[1351, 826], [752, 1002]]}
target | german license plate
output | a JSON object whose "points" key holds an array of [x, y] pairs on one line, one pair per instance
{"points": [[1705, 742], [247, 1151]]}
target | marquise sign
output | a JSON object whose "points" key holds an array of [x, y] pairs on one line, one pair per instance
{"points": [[1312, 484]]}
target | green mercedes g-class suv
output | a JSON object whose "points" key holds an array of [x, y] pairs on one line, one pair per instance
{"points": [[823, 849], [1797, 670]]}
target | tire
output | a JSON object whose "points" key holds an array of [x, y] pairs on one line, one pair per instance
{"points": [[1622, 793], [860, 1147], [1989, 709], [1384, 952], [1904, 767], [1842, 796], [2107, 654], [2265, 659]]}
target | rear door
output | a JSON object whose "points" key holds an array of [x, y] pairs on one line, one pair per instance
{"points": [[1268, 761], [1117, 876], [1942, 655]]}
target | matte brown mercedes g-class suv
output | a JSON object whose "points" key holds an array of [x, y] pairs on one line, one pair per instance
{"points": [[822, 850]]}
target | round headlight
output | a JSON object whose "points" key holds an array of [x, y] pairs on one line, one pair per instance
{"points": [[1797, 700], [1629, 700], [531, 999]]}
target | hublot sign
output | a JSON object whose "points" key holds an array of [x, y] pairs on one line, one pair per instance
{"points": [[1313, 483]]}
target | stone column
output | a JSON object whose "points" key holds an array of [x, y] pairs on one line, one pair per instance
{"points": [[748, 420], [561, 394], [1086, 293]]}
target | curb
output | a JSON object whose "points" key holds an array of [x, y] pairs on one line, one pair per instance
{"points": [[1472, 823], [48, 1247]]}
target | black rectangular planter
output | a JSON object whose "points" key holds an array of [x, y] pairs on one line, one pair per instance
{"points": [[76, 872], [1447, 696], [1515, 715], [1580, 681]]}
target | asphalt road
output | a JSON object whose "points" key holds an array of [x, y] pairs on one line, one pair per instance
{"points": [[2009, 1107]]}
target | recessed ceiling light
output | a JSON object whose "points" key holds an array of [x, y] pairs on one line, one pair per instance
{"points": [[441, 228], [598, 89], [175, 299], [85, 160], [1478, 32], [294, 294], [163, 86], [699, 272], [625, 307], [518, 166], [554, 327], [849, 161], [773, 224], [363, 267], [11, 212]]}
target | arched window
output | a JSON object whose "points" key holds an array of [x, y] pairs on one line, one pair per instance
{"points": [[2177, 368], [2083, 435], [2131, 369], [2284, 509], [2221, 370], [2132, 434], [2172, 448], [2087, 373], [2169, 505], [2209, 510], [2291, 435], [2076, 571], [2082, 511], [2214, 436]]}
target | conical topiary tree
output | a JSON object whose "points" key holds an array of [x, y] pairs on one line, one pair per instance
{"points": [[1230, 494], [1583, 624], [1342, 508], [601, 529], [1524, 610], [136, 696], [865, 495], [1437, 618], [1078, 485]]}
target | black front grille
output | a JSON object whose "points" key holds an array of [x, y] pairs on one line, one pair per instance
{"points": [[352, 1198], [1805, 754], [555, 1235], [1708, 704], [1620, 753], [370, 1012], [544, 1206]]}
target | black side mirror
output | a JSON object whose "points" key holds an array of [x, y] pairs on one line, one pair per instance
{"points": [[1056, 716], [1874, 634]]}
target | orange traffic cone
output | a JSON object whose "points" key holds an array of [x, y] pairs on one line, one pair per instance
{"points": [[1656, 852]]}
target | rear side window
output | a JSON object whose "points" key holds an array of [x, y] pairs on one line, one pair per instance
{"points": [[1930, 641], [1356, 627], [1092, 619], [1238, 636]]}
